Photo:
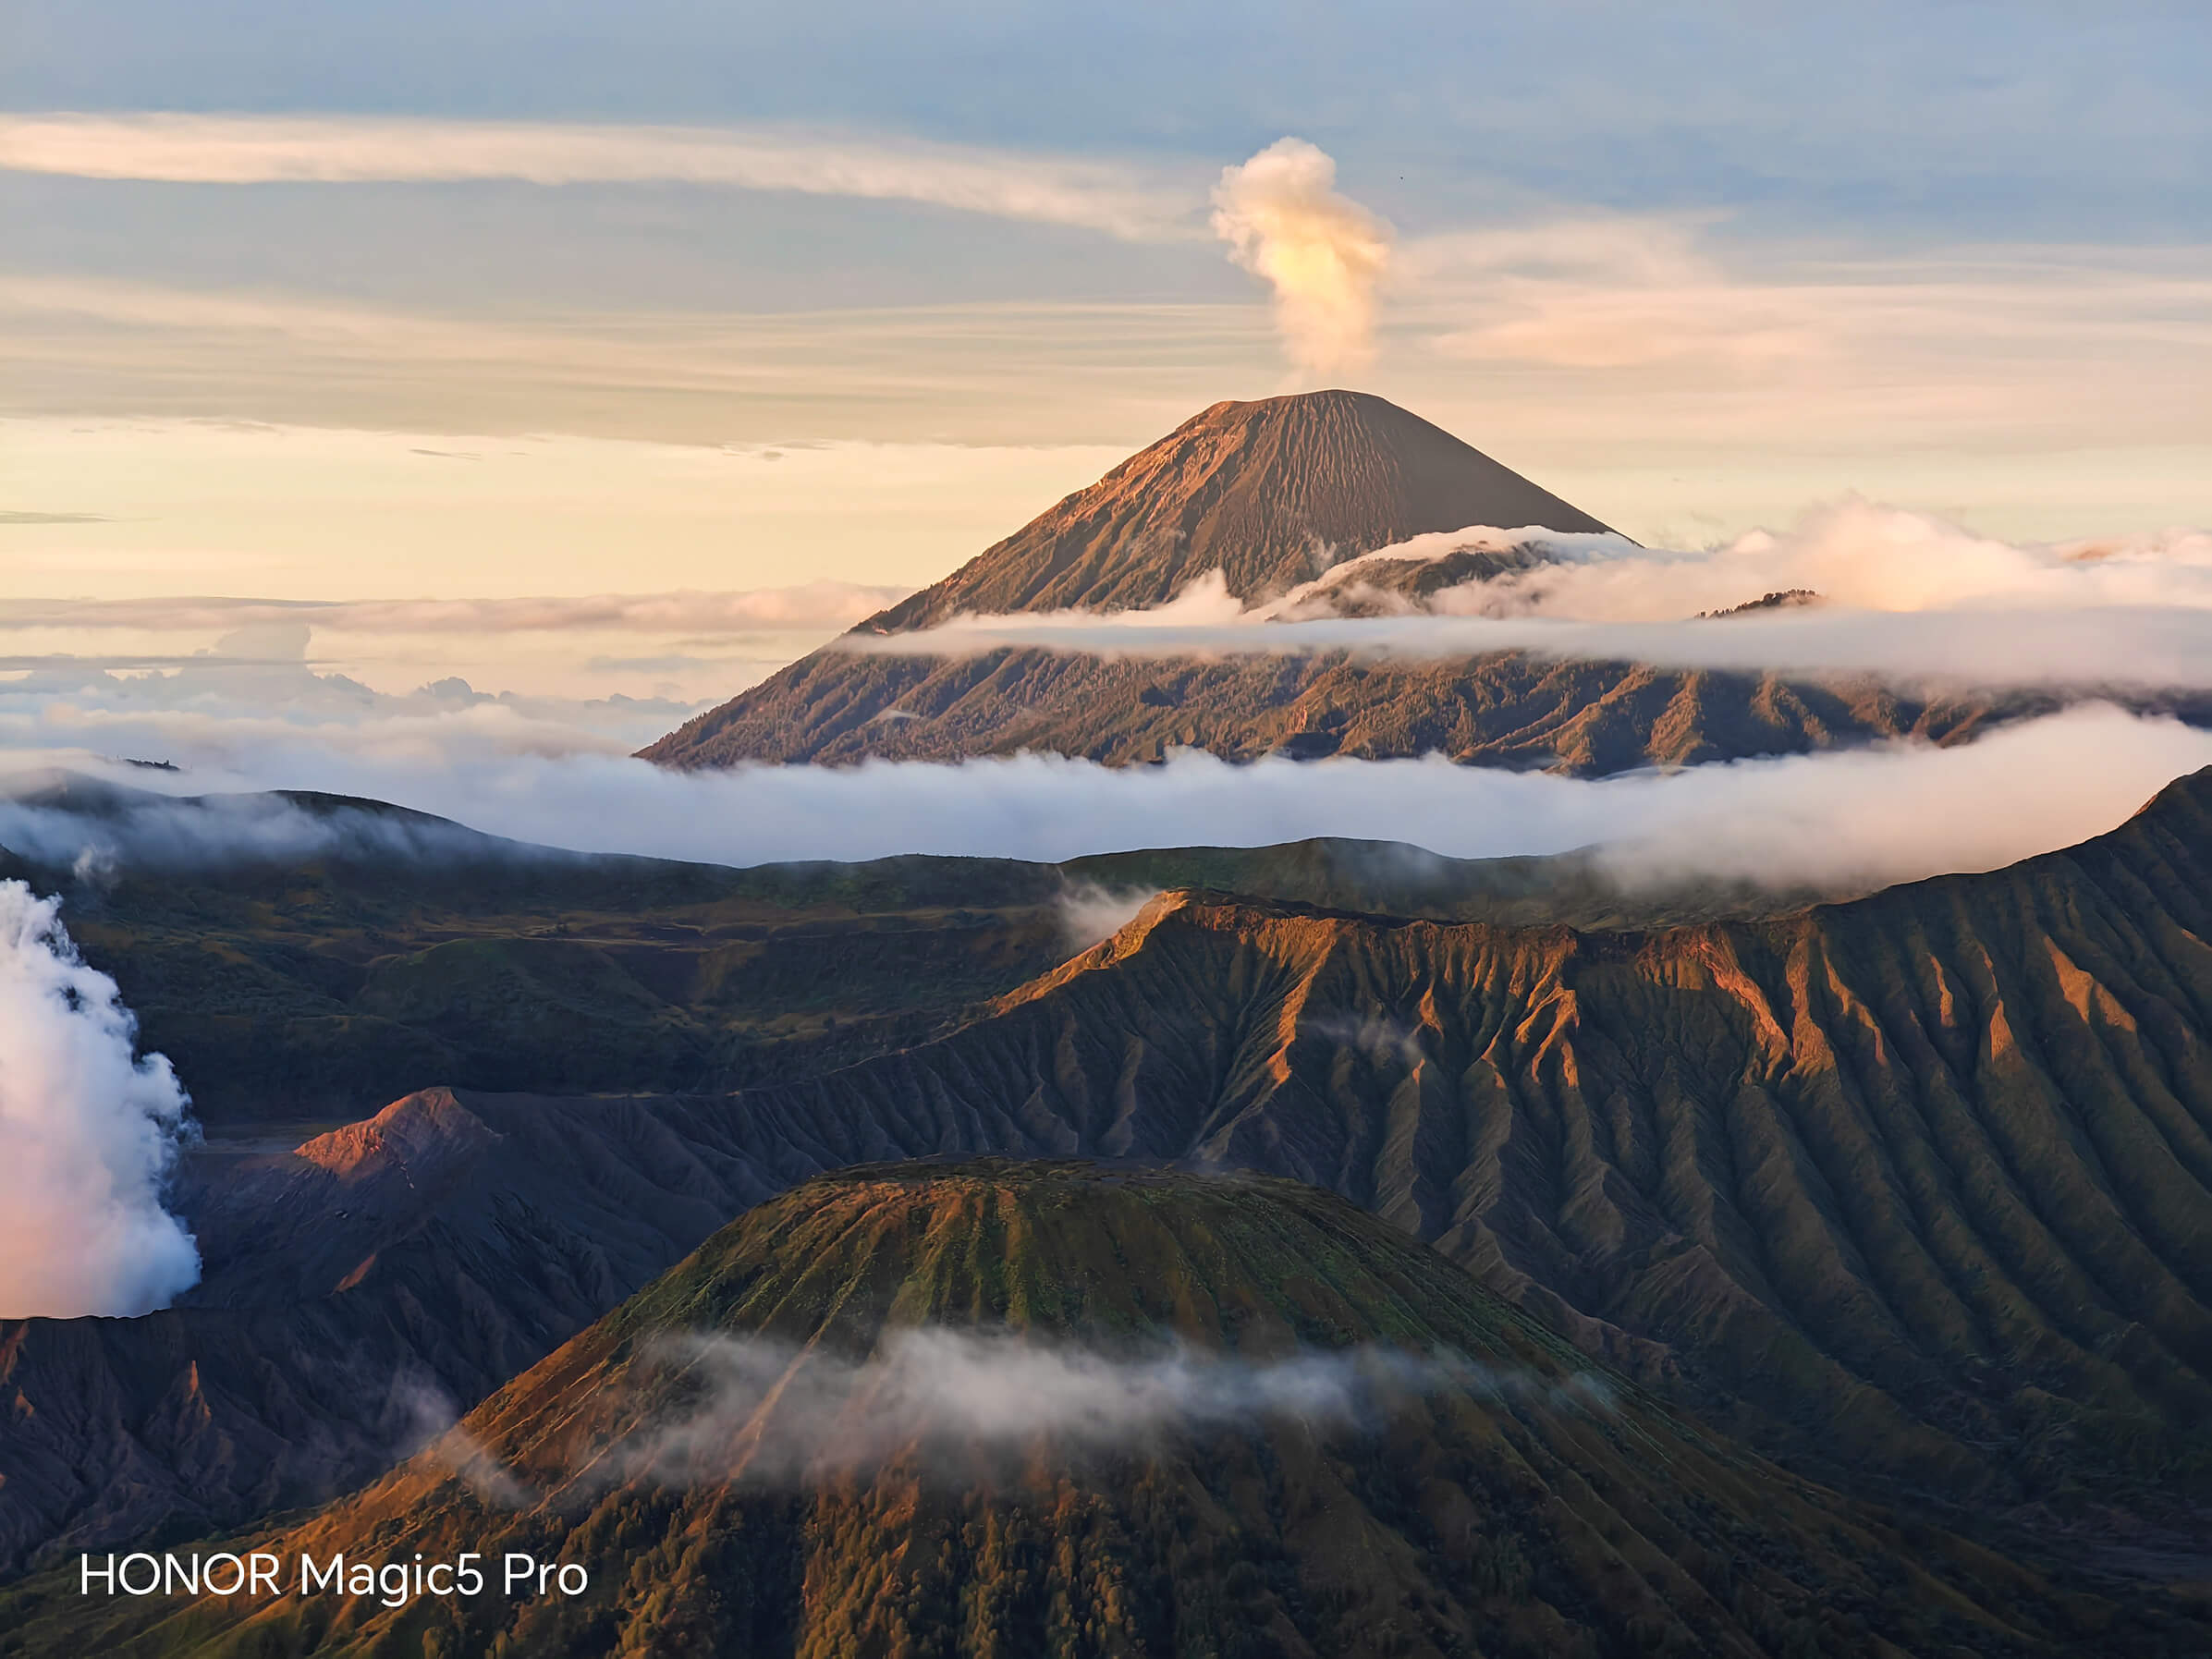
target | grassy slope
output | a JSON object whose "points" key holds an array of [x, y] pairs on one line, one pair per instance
{"points": [[1527, 1523]]}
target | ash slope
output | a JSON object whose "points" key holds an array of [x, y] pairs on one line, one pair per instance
{"points": [[1542, 1518], [1914, 1192], [1270, 493]]}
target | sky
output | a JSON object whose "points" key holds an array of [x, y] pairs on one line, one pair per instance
{"points": [[312, 303]]}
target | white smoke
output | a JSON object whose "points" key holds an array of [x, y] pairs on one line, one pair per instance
{"points": [[770, 1412], [1089, 912], [87, 1135], [1323, 253]]}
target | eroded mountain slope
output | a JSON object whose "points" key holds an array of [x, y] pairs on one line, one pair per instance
{"points": [[840, 706]]}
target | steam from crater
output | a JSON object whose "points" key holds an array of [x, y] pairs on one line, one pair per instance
{"points": [[87, 1134], [1321, 252]]}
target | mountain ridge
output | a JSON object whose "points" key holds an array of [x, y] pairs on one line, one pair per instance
{"points": [[1907, 1192]]}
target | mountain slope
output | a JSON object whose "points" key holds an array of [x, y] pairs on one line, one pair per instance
{"points": [[1589, 719], [1914, 1192], [747, 1460], [1270, 493]]}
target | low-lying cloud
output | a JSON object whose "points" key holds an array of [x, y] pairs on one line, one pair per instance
{"points": [[766, 1410], [89, 1132], [826, 604], [1322, 253], [1848, 819], [1903, 595]]}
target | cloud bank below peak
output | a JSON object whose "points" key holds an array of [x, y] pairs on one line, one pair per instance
{"points": [[1838, 822], [1902, 595]]}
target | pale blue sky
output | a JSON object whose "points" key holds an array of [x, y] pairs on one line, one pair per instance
{"points": [[1696, 267], [2024, 119]]}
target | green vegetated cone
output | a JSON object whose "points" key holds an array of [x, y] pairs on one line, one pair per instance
{"points": [[1013, 1409]]}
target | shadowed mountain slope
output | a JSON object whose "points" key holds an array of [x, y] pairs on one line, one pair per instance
{"points": [[1915, 1192], [754, 1457], [839, 707]]}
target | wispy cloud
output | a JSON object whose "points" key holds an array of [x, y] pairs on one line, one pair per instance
{"points": [[760, 1410], [222, 149], [817, 605]]}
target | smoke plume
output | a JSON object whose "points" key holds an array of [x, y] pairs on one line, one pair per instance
{"points": [[87, 1134], [1323, 253], [1089, 912]]}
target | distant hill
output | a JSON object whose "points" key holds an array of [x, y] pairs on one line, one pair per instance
{"points": [[744, 1465], [1271, 495], [349, 952]]}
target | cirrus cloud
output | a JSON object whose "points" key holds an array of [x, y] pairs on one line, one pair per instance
{"points": [[239, 149]]}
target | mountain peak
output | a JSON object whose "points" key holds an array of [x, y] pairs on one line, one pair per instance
{"points": [[1270, 493]]}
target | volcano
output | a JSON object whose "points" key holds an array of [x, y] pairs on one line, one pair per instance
{"points": [[998, 1409], [1264, 499], [1269, 494]]}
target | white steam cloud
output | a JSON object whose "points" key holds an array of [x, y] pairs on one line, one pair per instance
{"points": [[769, 1411], [1834, 821], [87, 1134], [1089, 912], [1321, 252]]}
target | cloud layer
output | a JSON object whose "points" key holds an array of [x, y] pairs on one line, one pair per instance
{"points": [[87, 1134], [817, 604], [1836, 821], [223, 149], [768, 1411], [1321, 252], [1906, 595]]}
